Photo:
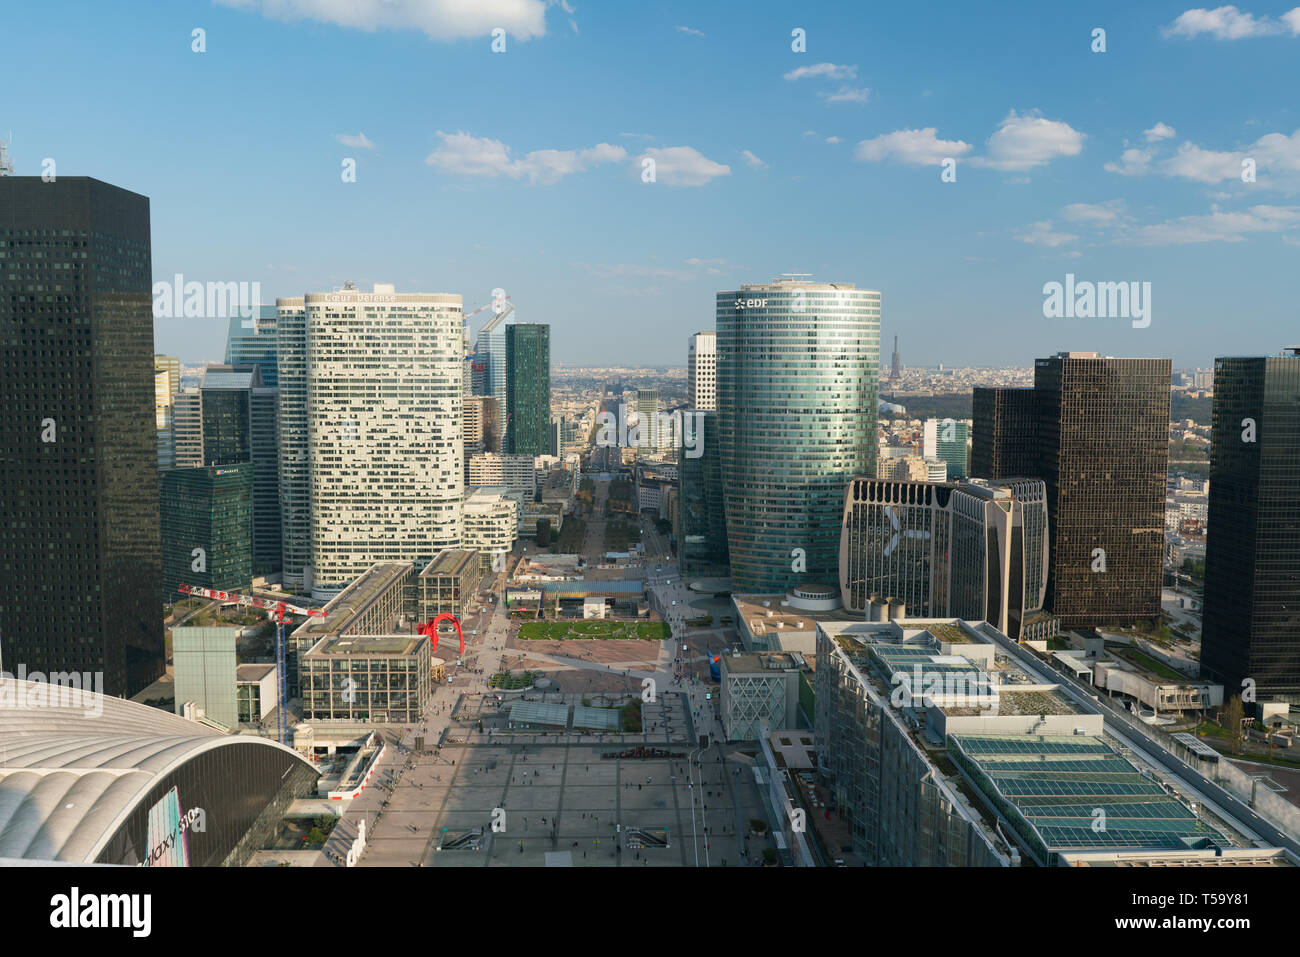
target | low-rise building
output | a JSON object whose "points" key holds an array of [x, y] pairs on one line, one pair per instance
{"points": [[367, 679], [450, 582], [757, 688]]}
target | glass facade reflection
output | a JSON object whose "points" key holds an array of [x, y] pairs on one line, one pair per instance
{"points": [[798, 369], [243, 789]]}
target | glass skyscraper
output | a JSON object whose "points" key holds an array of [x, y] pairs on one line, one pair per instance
{"points": [[490, 354], [80, 548], [252, 341], [702, 525], [208, 509], [1103, 433], [528, 386], [798, 367], [1252, 557]]}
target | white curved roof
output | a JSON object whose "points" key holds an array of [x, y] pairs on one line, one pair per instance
{"points": [[73, 768]]}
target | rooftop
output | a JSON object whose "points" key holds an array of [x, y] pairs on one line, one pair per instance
{"points": [[368, 645], [450, 561]]}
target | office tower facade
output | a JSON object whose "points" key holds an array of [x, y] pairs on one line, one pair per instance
{"points": [[1103, 432], [647, 411], [702, 371], [239, 426], [207, 528], [80, 549], [518, 473], [974, 550], [702, 523], [384, 430], [294, 479], [187, 429], [166, 383], [482, 421], [528, 387], [798, 367], [1251, 611], [949, 440], [252, 342], [490, 356], [1004, 441]]}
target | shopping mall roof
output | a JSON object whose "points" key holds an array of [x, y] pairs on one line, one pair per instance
{"points": [[74, 765], [1076, 793]]}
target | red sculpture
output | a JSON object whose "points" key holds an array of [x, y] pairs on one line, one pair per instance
{"points": [[430, 628]]}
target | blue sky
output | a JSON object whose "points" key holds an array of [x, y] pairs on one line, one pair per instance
{"points": [[522, 169]]}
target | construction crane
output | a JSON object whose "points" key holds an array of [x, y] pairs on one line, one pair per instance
{"points": [[278, 609]]}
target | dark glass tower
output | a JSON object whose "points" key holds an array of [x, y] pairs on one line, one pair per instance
{"points": [[528, 388], [239, 426], [1004, 440], [211, 510], [80, 562], [1252, 559], [702, 524], [1103, 434]]}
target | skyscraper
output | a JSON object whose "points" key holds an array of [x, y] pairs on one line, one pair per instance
{"points": [[528, 387], [1103, 432], [239, 426], [80, 540], [1004, 441], [490, 355], [702, 523], [647, 411], [974, 550], [207, 523], [948, 440], [702, 372], [384, 430], [1252, 558], [166, 383], [798, 367], [253, 342], [293, 453]]}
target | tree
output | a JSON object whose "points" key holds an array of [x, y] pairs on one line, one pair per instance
{"points": [[1233, 715]]}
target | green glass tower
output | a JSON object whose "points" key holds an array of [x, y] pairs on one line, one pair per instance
{"points": [[528, 388], [798, 374], [207, 525]]}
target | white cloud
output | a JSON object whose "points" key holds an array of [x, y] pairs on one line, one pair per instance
{"points": [[1132, 162], [684, 166], [358, 142], [1216, 226], [462, 154], [1094, 214], [832, 139], [1229, 23], [1276, 155], [1028, 140], [753, 160], [691, 31], [439, 19], [1040, 234], [831, 71], [846, 94], [914, 147], [1203, 166], [1159, 132]]}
